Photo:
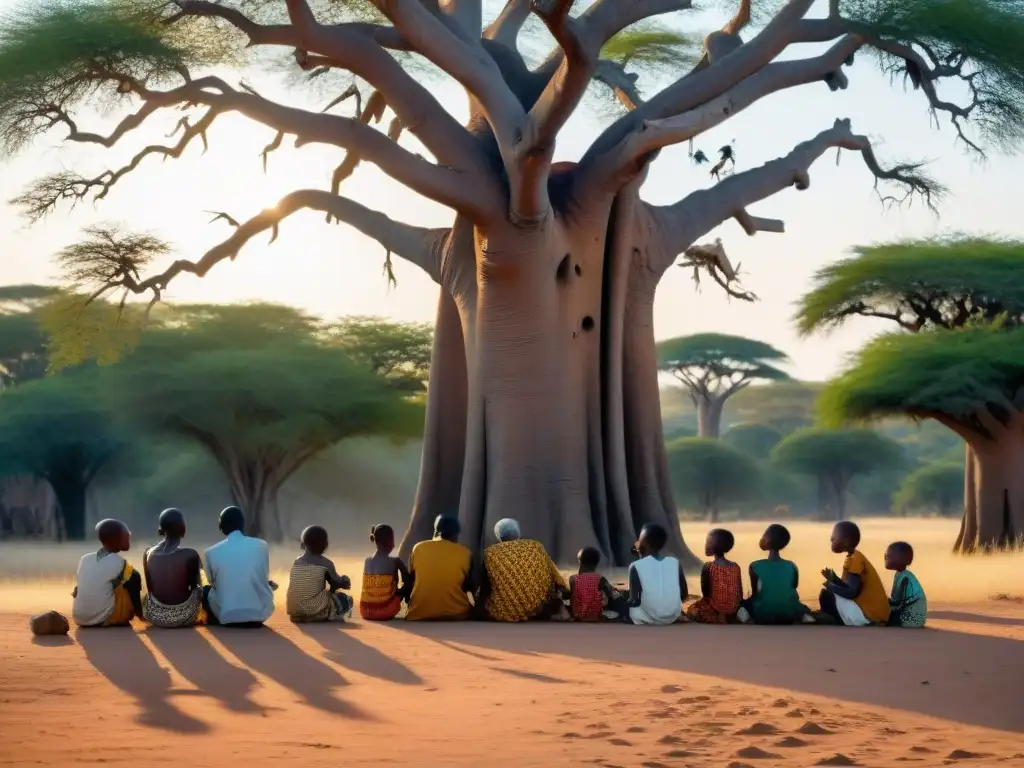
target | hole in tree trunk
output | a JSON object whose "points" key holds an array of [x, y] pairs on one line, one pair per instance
{"points": [[588, 323], [562, 273], [578, 270]]}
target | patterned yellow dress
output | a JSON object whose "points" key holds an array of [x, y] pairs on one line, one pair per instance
{"points": [[522, 579]]}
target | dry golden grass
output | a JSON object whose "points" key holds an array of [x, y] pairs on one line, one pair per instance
{"points": [[39, 576]]}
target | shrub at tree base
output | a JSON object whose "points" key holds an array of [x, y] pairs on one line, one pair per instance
{"points": [[972, 381]]}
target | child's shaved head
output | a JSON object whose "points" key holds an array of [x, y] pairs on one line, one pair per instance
{"points": [[171, 523], [113, 535]]}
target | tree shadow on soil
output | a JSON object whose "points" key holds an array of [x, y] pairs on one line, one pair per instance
{"points": [[197, 660], [342, 648], [973, 679], [976, 618], [271, 654], [119, 654]]}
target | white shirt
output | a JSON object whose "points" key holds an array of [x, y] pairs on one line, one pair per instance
{"points": [[660, 599], [239, 571], [99, 574]]}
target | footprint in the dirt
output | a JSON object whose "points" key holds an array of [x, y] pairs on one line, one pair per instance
{"points": [[598, 726], [923, 750], [686, 700], [601, 734], [620, 742], [670, 740], [893, 732], [652, 764], [813, 729], [813, 711], [671, 689], [756, 753], [780, 703], [747, 712], [738, 764], [791, 742], [795, 713], [664, 714], [679, 754], [908, 759], [702, 698], [635, 729], [758, 729], [837, 759], [963, 754]]}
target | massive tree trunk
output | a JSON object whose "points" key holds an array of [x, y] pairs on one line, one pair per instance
{"points": [[444, 432], [709, 417], [994, 519], [71, 505], [254, 489]]}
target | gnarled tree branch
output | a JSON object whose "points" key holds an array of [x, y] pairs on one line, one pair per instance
{"points": [[418, 245], [506, 28], [698, 213]]}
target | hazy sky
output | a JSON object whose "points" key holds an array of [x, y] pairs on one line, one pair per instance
{"points": [[331, 270]]}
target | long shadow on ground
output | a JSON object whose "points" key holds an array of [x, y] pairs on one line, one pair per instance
{"points": [[197, 660], [342, 648], [976, 618], [270, 654], [974, 679], [119, 654]]}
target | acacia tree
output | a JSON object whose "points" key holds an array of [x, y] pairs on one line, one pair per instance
{"points": [[61, 429], [711, 473], [713, 367], [544, 396], [971, 380], [835, 457], [924, 285], [261, 401]]}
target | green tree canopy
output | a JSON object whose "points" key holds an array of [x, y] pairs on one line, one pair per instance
{"points": [[949, 374], [60, 428], [709, 473], [937, 486], [756, 440], [835, 457], [712, 367], [261, 402], [399, 352], [934, 283], [718, 360]]}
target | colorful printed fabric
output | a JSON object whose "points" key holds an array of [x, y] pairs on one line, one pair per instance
{"points": [[309, 599], [912, 605], [522, 578], [587, 602], [186, 614], [726, 593], [379, 600]]}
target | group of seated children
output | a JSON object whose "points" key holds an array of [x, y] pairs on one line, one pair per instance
{"points": [[108, 591]]}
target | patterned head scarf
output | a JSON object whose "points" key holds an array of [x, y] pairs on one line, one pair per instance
{"points": [[506, 529]]}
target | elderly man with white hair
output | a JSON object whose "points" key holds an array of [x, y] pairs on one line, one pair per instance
{"points": [[519, 581]]}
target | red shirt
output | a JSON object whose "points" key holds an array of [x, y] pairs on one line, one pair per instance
{"points": [[586, 597]]}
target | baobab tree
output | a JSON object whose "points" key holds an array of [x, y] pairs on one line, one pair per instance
{"points": [[970, 380], [712, 367], [926, 285], [543, 395]]}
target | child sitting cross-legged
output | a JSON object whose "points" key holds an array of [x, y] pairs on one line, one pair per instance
{"points": [[908, 606], [314, 584], [721, 582], [108, 591], [773, 585], [590, 594], [857, 598]]}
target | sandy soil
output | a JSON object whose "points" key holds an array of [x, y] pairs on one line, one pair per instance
{"points": [[536, 695], [466, 694]]}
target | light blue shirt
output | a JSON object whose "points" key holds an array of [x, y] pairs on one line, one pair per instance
{"points": [[239, 572]]}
